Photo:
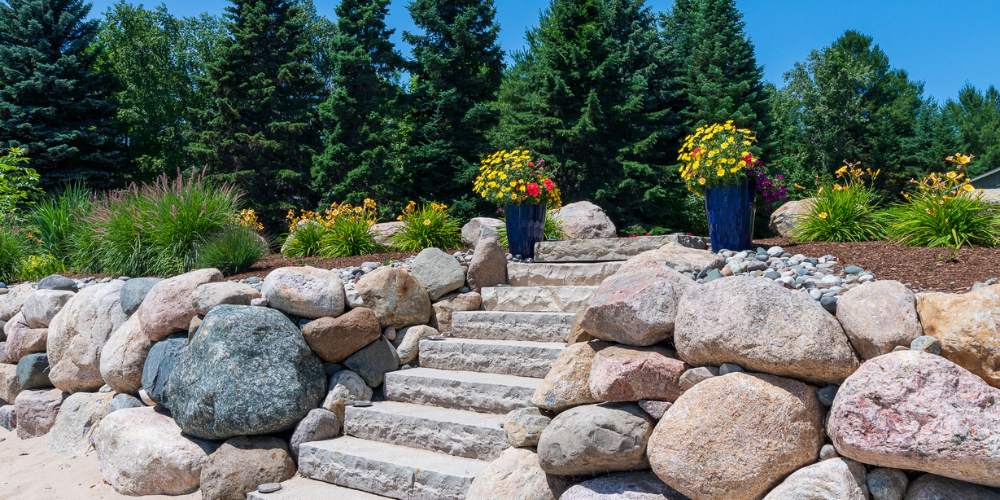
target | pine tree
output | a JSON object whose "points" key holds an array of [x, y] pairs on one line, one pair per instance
{"points": [[259, 129], [52, 103], [455, 75], [975, 117], [360, 116], [597, 91]]}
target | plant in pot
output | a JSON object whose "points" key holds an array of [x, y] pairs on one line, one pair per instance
{"points": [[715, 162], [522, 186]]}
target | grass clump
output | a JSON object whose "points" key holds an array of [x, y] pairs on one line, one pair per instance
{"points": [[429, 225], [845, 210], [233, 250], [58, 222], [13, 249], [342, 230]]}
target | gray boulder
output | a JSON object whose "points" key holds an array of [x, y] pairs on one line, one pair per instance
{"points": [[160, 362], [134, 291], [246, 371], [594, 439], [480, 226], [319, 424], [524, 426], [438, 272], [33, 372], [623, 486], [886, 484], [123, 401], [488, 266], [40, 307], [879, 316], [583, 219], [345, 386], [374, 361], [835, 478], [57, 282], [931, 487], [79, 415], [209, 295]]}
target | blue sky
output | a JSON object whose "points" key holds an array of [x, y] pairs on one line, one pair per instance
{"points": [[942, 43]]}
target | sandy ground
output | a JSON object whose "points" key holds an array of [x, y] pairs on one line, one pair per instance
{"points": [[30, 471]]}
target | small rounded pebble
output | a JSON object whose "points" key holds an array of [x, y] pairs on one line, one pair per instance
{"points": [[827, 452], [268, 488]]}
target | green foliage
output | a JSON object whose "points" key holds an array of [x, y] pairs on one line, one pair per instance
{"points": [[958, 221], [14, 247], [52, 103], [18, 182], [56, 220], [348, 236], [552, 230], [232, 251], [847, 214], [637, 230], [34, 267], [975, 115], [305, 240], [429, 225]]}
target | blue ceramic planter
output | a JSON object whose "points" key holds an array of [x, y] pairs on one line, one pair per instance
{"points": [[730, 217], [525, 227]]}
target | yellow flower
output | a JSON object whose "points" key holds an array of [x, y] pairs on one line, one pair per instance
{"points": [[427, 222], [720, 172], [968, 188], [701, 181], [823, 215]]}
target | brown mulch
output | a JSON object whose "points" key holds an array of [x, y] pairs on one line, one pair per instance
{"points": [[274, 261], [920, 268]]}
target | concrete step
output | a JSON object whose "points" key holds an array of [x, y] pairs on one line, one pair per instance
{"points": [[509, 357], [501, 325], [537, 298], [598, 249], [458, 433], [560, 274], [302, 488], [471, 391], [387, 469]]}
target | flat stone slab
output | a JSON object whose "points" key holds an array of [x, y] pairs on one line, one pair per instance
{"points": [[387, 469], [472, 391], [607, 249], [458, 433], [501, 325], [564, 274], [301, 488], [569, 299], [509, 357]]}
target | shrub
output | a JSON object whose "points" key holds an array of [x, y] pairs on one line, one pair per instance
{"points": [[339, 231], [34, 267], [18, 181], [430, 225], [56, 220], [552, 230], [304, 240], [233, 250], [944, 211], [348, 236], [13, 248], [844, 211]]}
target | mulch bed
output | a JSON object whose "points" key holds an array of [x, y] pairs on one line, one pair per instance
{"points": [[274, 261], [922, 269]]}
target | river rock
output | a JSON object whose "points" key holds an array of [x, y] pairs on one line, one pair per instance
{"points": [[142, 452], [918, 411], [678, 257], [636, 485], [477, 226], [160, 363], [762, 326], [243, 463], [9, 384], [621, 373], [568, 382], [967, 326], [320, 424], [124, 355], [43, 305], [835, 478], [444, 308], [134, 291], [33, 372], [335, 339], [22, 340], [524, 427], [438, 272], [878, 316], [168, 307], [78, 416], [592, 439], [886, 484], [735, 436], [247, 371], [78, 333], [488, 266], [635, 309], [785, 219], [395, 296], [516, 474], [209, 295], [583, 219], [407, 342], [36, 411], [931, 487], [11, 302], [374, 361], [306, 292]]}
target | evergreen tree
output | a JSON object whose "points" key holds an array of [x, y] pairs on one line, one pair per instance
{"points": [[455, 74], [975, 117], [52, 103], [259, 129], [597, 91], [360, 116]]}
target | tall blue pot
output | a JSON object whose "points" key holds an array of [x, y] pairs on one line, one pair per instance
{"points": [[525, 227], [730, 217]]}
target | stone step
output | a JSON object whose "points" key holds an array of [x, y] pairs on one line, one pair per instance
{"points": [[560, 274], [458, 433], [537, 298], [598, 249], [509, 357], [471, 391], [302, 488], [387, 469], [502, 325]]}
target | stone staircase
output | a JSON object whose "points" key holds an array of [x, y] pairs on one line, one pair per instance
{"points": [[440, 424]]}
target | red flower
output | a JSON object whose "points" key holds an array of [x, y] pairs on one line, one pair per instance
{"points": [[531, 164], [748, 159], [549, 185], [696, 152], [533, 190]]}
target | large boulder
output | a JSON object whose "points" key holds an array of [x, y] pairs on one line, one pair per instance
{"points": [[43, 305], [568, 382], [124, 355], [142, 452], [23, 340], [247, 371], [307, 292], [395, 296], [33, 372], [480, 226], [11, 302], [134, 292], [735, 436], [488, 266], [633, 485], [335, 339], [78, 417], [57, 282], [408, 339], [879, 316], [320, 424], [967, 326], [438, 272], [762, 326], [243, 463], [931, 487], [160, 363], [635, 309], [384, 232], [621, 373], [167, 307], [78, 333], [516, 474], [680, 258], [785, 219], [584, 219], [209, 295], [36, 411], [835, 478], [374, 361], [9, 384], [448, 305], [594, 439], [914, 410]]}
